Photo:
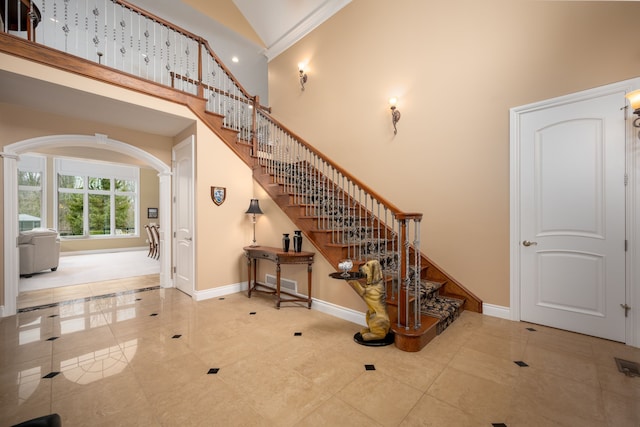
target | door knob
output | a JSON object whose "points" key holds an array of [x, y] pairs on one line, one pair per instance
{"points": [[528, 243], [188, 239]]}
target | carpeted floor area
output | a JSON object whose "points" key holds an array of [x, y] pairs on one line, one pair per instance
{"points": [[88, 268]]}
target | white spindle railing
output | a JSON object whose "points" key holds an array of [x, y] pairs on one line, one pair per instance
{"points": [[357, 220], [120, 35]]}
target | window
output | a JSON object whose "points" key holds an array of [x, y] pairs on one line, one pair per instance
{"points": [[96, 199], [31, 181]]}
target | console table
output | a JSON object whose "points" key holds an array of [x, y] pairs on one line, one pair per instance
{"points": [[277, 256]]}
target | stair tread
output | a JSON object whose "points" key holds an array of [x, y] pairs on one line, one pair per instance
{"points": [[430, 285], [441, 306]]}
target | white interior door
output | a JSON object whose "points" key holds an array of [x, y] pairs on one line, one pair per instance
{"points": [[183, 206], [572, 207]]}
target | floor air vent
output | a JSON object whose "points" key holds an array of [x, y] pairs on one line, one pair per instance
{"points": [[285, 284], [630, 369]]}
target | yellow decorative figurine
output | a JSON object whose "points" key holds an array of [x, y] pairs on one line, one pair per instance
{"points": [[374, 294]]}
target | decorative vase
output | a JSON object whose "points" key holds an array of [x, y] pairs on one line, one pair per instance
{"points": [[285, 242], [297, 241]]}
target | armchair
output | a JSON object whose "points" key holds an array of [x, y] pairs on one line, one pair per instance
{"points": [[39, 250]]}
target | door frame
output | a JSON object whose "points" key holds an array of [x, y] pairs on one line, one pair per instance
{"points": [[174, 240], [10, 160], [632, 196]]}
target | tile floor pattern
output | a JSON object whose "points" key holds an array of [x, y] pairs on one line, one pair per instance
{"points": [[157, 358]]}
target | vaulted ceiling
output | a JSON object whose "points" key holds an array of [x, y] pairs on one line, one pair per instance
{"points": [[275, 24]]}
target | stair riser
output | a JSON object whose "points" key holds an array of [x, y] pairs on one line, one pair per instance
{"points": [[412, 342]]}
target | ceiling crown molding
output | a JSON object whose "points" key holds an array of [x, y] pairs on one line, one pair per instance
{"points": [[324, 12]]}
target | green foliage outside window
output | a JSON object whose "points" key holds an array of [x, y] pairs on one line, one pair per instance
{"points": [[103, 195], [31, 179], [99, 214], [72, 182], [70, 214], [29, 199]]}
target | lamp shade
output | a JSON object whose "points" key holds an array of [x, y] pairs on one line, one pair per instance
{"points": [[254, 208], [634, 99]]}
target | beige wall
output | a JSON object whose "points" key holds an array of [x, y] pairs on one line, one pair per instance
{"points": [[221, 231], [456, 67]]}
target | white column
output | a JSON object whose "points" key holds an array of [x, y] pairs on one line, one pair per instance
{"points": [[11, 261], [166, 234]]}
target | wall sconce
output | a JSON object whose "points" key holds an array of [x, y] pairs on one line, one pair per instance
{"points": [[254, 209], [395, 114], [303, 75], [634, 100]]}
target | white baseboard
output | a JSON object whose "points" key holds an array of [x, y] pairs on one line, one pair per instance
{"points": [[322, 306], [339, 312], [343, 313], [1, 310], [496, 311], [220, 291], [104, 251]]}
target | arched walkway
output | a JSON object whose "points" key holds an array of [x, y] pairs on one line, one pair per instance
{"points": [[10, 156]]}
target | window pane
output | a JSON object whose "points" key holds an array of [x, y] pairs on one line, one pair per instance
{"points": [[69, 181], [99, 184], [29, 204], [31, 179], [70, 213], [125, 185], [99, 214], [125, 215]]}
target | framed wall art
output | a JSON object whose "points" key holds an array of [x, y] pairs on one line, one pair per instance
{"points": [[218, 195]]}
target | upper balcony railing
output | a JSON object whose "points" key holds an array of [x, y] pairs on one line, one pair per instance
{"points": [[117, 34], [120, 35]]}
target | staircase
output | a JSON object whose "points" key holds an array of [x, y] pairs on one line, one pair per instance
{"points": [[345, 219], [340, 216]]}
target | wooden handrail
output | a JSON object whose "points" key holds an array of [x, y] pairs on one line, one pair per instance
{"points": [[396, 211], [224, 67], [156, 18], [218, 91]]}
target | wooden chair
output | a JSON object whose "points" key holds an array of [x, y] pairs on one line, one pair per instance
{"points": [[152, 245], [156, 241]]}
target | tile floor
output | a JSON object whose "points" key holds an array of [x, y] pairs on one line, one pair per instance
{"points": [[157, 358]]}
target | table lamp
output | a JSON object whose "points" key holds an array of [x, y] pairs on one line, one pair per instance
{"points": [[254, 209]]}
